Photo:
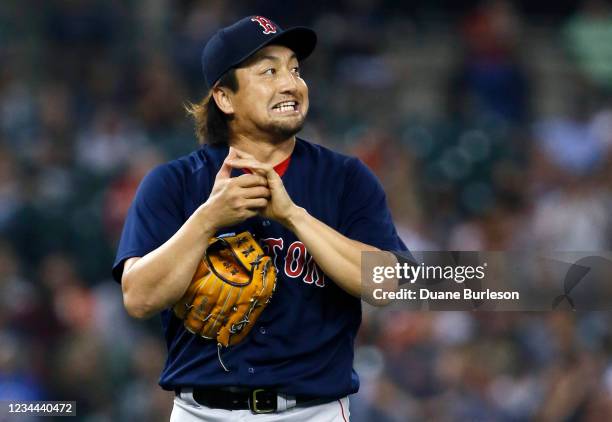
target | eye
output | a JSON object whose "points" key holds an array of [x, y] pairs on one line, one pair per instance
{"points": [[296, 70], [270, 71]]}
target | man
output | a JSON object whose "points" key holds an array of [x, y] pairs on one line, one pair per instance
{"points": [[314, 209]]}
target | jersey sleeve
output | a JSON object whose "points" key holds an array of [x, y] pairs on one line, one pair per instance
{"points": [[364, 213], [155, 215]]}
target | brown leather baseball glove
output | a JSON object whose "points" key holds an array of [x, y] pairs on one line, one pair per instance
{"points": [[231, 287]]}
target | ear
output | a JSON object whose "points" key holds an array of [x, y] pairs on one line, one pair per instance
{"points": [[223, 99]]}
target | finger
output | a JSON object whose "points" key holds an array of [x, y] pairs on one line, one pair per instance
{"points": [[226, 169], [250, 164], [249, 180], [256, 203], [256, 192], [232, 153], [242, 154], [272, 177]]}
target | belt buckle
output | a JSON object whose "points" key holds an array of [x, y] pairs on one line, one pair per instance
{"points": [[255, 407]]}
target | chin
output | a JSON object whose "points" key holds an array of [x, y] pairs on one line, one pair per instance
{"points": [[286, 130]]}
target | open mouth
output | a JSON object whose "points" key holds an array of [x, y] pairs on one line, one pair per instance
{"points": [[286, 107]]}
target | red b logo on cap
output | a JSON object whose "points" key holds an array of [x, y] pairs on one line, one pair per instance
{"points": [[265, 23]]}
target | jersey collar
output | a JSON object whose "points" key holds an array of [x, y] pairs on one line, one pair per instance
{"points": [[280, 168]]}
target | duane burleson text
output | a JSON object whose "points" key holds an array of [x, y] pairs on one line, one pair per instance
{"points": [[423, 294]]}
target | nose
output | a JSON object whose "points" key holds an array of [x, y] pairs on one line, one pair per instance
{"points": [[287, 82]]}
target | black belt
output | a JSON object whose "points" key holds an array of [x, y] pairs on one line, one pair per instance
{"points": [[258, 400]]}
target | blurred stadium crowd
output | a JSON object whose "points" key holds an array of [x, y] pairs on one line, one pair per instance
{"points": [[489, 124]]}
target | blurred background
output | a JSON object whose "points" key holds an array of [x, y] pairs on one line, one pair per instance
{"points": [[489, 124]]}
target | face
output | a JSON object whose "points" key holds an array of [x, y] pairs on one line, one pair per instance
{"points": [[272, 98]]}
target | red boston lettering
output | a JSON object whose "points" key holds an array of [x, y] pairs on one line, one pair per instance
{"points": [[313, 273], [294, 261]]}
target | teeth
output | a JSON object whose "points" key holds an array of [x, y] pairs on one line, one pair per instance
{"points": [[286, 106]]}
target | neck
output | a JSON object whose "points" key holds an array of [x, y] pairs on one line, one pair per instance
{"points": [[264, 151]]}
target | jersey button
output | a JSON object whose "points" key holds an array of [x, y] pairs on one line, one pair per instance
{"points": [[262, 330], [251, 370]]}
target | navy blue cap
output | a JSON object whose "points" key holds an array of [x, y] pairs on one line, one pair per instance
{"points": [[232, 45]]}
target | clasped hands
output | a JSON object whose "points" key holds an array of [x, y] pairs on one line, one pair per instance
{"points": [[235, 199]]}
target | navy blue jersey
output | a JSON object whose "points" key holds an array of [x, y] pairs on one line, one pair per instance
{"points": [[303, 341]]}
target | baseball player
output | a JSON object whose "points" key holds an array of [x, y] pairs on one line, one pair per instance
{"points": [[313, 210]]}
